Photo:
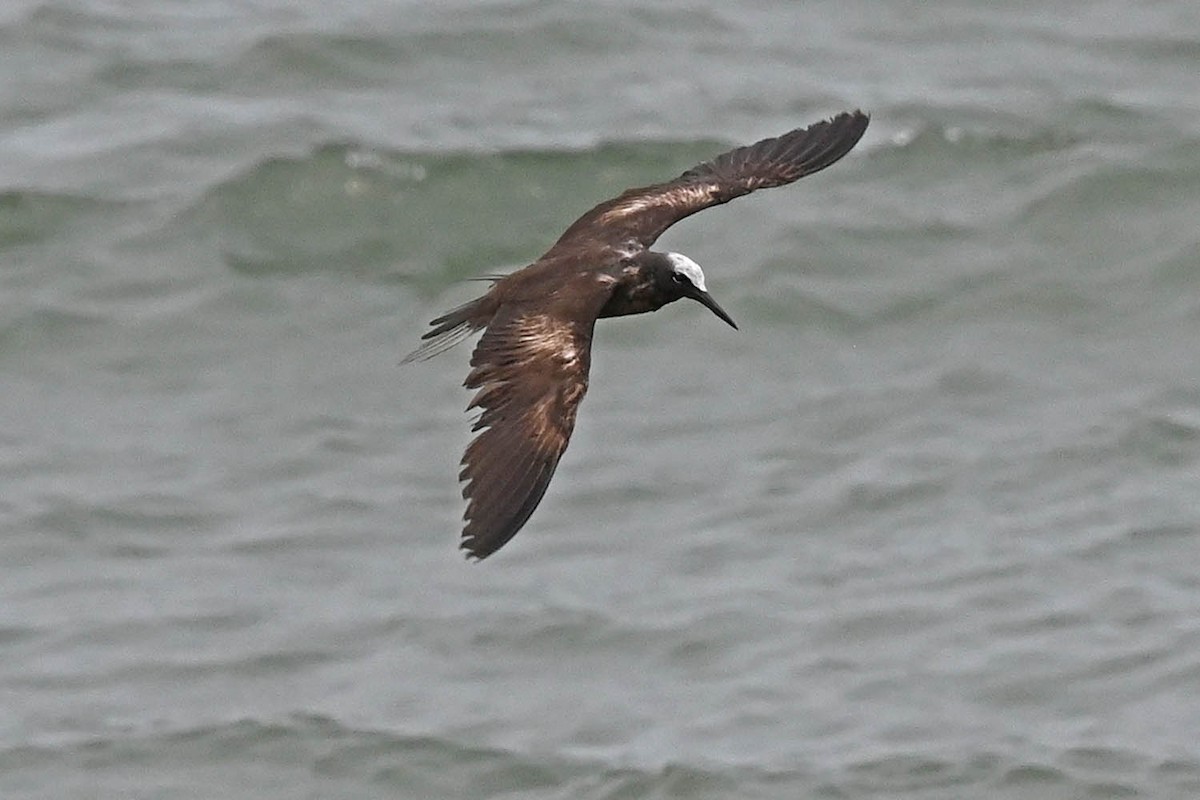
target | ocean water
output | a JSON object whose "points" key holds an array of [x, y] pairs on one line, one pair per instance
{"points": [[927, 526]]}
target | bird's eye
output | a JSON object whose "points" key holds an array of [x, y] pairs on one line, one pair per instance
{"points": [[675, 276]]}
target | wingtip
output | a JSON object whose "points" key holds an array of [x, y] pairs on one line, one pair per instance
{"points": [[470, 556], [857, 119]]}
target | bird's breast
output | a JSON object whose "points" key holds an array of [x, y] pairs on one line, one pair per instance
{"points": [[633, 298]]}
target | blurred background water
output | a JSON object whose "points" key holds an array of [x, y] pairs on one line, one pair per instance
{"points": [[926, 527]]}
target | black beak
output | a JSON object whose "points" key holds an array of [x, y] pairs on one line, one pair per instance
{"points": [[705, 299]]}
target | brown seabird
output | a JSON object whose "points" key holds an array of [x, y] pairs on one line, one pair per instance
{"points": [[531, 365]]}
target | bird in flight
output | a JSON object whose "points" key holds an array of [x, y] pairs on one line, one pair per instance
{"points": [[530, 367]]}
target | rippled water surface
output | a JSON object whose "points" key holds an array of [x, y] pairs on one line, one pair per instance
{"points": [[927, 526]]}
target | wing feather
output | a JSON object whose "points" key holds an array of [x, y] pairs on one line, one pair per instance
{"points": [[530, 370], [641, 215]]}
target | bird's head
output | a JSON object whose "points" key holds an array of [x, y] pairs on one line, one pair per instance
{"points": [[678, 276]]}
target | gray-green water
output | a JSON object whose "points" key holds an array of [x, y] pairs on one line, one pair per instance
{"points": [[928, 526]]}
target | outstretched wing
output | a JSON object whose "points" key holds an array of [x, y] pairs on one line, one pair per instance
{"points": [[531, 372], [643, 214]]}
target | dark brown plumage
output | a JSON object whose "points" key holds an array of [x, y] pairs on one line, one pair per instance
{"points": [[530, 367]]}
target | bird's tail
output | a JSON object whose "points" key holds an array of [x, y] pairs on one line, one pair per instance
{"points": [[452, 327]]}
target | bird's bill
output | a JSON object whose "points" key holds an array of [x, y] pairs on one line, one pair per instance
{"points": [[705, 299]]}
